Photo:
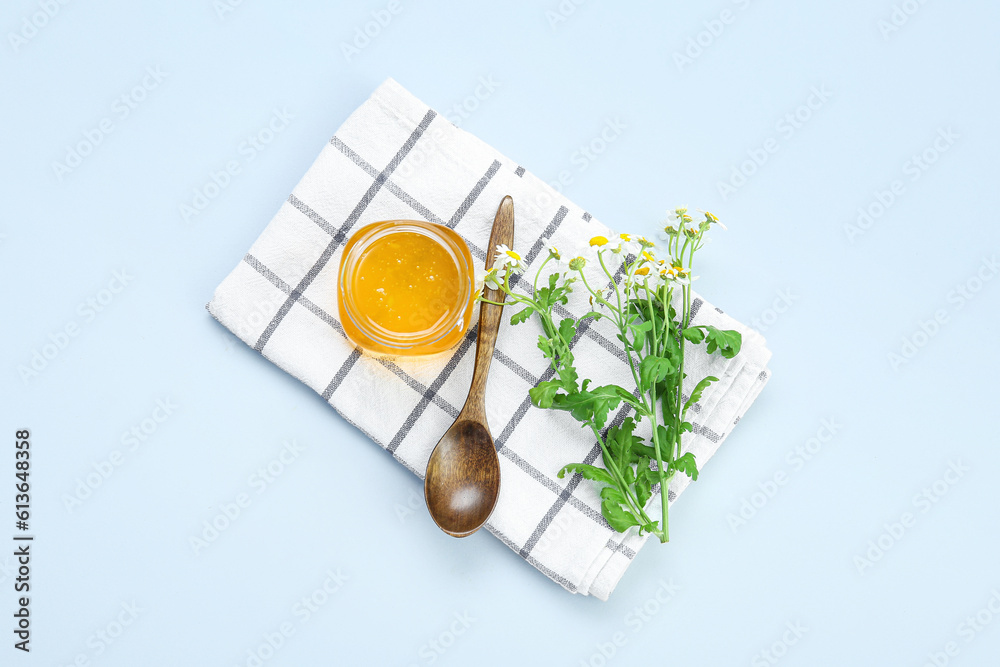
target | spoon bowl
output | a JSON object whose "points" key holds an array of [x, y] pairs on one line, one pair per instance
{"points": [[462, 483], [463, 479]]}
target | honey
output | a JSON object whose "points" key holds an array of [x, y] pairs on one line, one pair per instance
{"points": [[405, 288]]}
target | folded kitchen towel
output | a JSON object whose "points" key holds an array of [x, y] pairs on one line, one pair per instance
{"points": [[395, 158]]}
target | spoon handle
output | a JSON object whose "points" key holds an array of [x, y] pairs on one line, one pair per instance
{"points": [[489, 314]]}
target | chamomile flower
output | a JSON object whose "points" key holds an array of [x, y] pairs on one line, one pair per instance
{"points": [[553, 251], [598, 241], [712, 220], [492, 279], [507, 257], [626, 245], [678, 217]]}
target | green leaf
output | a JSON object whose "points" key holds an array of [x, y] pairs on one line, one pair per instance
{"points": [[619, 441], [567, 376], [613, 494], [522, 316], [647, 451], [699, 390], [653, 369], [592, 405], [619, 518], [588, 472], [686, 464], [543, 395], [639, 334], [694, 334], [628, 474], [567, 329], [643, 487], [728, 343]]}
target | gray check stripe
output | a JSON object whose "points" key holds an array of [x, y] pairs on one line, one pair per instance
{"points": [[342, 373], [518, 369], [389, 185], [620, 546], [695, 307], [472, 196], [566, 493], [566, 583], [546, 235], [431, 392], [312, 215], [697, 429], [342, 232], [287, 289], [549, 484]]}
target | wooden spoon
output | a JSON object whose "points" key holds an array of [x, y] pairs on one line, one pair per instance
{"points": [[463, 474]]}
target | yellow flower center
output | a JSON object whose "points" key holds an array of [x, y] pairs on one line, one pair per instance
{"points": [[514, 255], [642, 271], [598, 241]]}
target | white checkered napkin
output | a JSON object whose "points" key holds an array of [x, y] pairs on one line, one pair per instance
{"points": [[396, 158]]}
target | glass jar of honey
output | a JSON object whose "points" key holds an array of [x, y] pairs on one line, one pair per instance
{"points": [[406, 287]]}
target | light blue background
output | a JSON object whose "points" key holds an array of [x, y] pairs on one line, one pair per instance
{"points": [[340, 504]]}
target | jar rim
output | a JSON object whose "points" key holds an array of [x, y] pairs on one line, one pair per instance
{"points": [[454, 317]]}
